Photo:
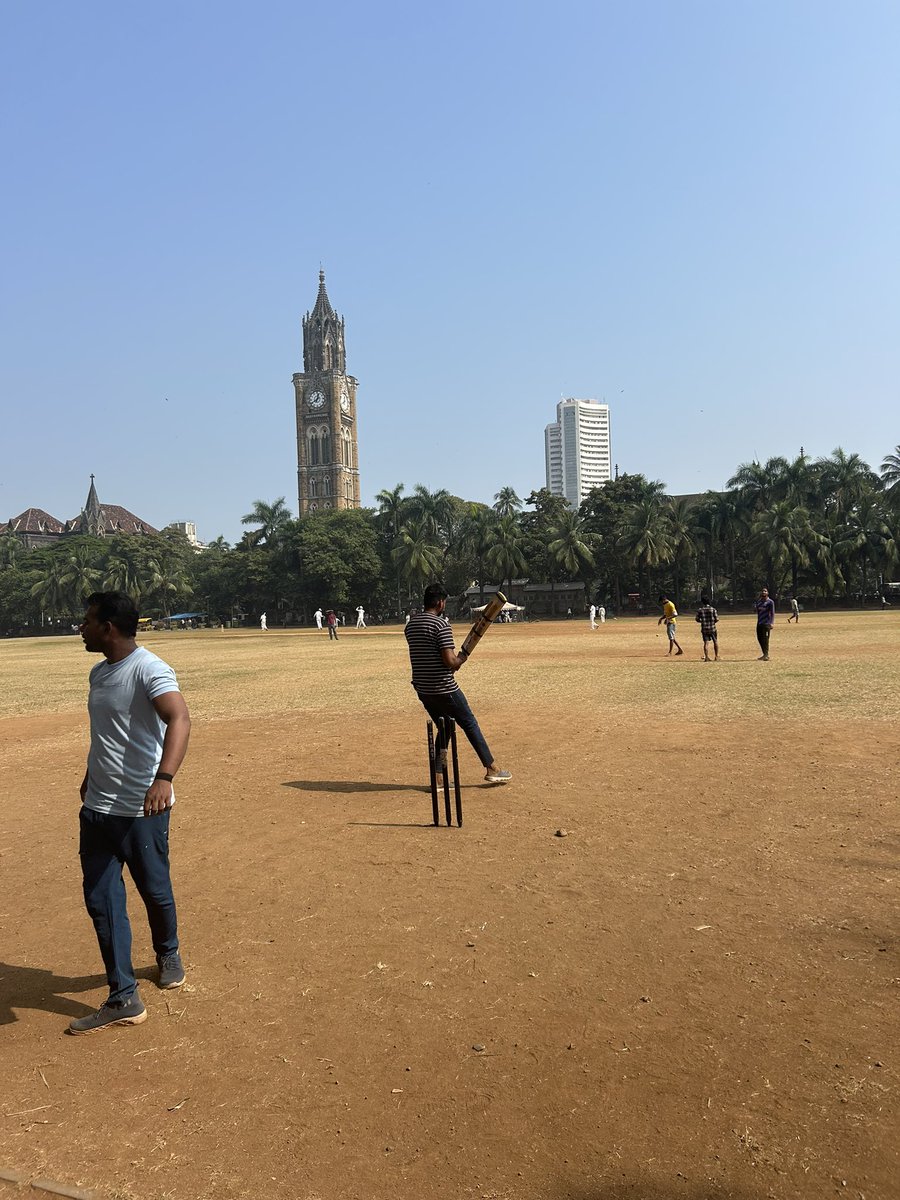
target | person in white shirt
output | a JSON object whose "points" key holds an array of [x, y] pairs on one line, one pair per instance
{"points": [[262, 622], [318, 614], [593, 616], [360, 617], [601, 613]]}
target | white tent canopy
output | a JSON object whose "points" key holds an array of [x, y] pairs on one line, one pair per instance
{"points": [[507, 607]]}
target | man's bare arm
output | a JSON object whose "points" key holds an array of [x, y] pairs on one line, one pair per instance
{"points": [[173, 711], [452, 660]]}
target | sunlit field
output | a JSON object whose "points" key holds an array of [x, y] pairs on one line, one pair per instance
{"points": [[845, 665], [661, 963]]}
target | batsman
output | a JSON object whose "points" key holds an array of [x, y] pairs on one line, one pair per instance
{"points": [[434, 662]]}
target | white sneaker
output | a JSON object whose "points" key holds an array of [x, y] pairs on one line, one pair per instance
{"points": [[498, 776]]}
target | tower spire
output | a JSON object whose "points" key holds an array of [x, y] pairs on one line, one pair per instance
{"points": [[323, 335], [92, 514]]}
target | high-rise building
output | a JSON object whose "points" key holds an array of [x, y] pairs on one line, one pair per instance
{"points": [[577, 449], [325, 398]]}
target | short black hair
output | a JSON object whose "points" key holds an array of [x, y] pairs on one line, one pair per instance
{"points": [[662, 596], [434, 594], [704, 599], [117, 608]]}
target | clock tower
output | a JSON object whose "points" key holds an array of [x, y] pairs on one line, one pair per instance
{"points": [[325, 397]]}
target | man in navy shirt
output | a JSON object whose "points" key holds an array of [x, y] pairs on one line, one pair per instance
{"points": [[765, 619]]}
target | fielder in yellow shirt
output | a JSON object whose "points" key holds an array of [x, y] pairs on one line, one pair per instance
{"points": [[670, 617]]}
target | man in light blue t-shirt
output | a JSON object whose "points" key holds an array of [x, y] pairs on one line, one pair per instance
{"points": [[140, 727]]}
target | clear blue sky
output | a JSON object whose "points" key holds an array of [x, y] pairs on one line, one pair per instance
{"points": [[688, 209]]}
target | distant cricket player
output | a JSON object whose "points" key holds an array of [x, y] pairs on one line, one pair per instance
{"points": [[707, 618], [434, 661], [670, 616], [765, 620]]}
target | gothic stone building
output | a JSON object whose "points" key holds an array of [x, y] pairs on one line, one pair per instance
{"points": [[325, 397], [38, 528]]}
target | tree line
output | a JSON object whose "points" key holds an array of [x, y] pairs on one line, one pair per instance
{"points": [[821, 529]]}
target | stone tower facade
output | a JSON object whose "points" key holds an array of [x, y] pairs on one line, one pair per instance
{"points": [[325, 397]]}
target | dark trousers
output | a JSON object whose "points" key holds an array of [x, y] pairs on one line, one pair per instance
{"points": [[332, 632], [108, 844], [455, 705], [762, 636]]}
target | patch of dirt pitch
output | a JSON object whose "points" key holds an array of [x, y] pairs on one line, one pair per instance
{"points": [[693, 994]]}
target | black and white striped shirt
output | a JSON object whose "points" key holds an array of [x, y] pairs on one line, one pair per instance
{"points": [[427, 635]]}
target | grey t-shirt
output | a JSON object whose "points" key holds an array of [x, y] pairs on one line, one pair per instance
{"points": [[126, 733]]}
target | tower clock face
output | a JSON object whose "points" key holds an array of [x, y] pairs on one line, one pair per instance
{"points": [[345, 398], [316, 400]]}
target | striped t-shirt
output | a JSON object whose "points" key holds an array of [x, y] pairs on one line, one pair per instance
{"points": [[427, 635]]}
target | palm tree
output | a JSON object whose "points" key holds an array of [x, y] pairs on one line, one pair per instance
{"points": [[506, 502], [760, 484], [869, 539], [890, 472], [570, 547], [720, 522], [505, 554], [645, 535], [417, 553], [825, 559], [52, 591], [10, 549], [435, 509], [682, 517], [784, 535], [121, 576], [801, 481], [845, 479], [571, 544], [163, 578], [391, 506], [271, 519], [475, 538], [80, 576]]}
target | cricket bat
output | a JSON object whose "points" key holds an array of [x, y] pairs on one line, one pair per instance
{"points": [[483, 622]]}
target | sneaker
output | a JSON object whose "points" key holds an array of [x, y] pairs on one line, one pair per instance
{"points": [[129, 1012], [171, 970], [498, 776]]}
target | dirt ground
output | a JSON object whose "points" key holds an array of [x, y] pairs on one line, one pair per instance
{"points": [[692, 994]]}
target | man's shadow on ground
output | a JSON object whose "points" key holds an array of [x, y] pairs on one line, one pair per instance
{"points": [[353, 785], [368, 785], [34, 987], [364, 785]]}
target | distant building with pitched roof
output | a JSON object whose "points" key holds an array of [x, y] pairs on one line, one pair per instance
{"points": [[38, 528], [35, 527]]}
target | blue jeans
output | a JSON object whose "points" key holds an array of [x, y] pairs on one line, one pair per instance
{"points": [[455, 704], [107, 845]]}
